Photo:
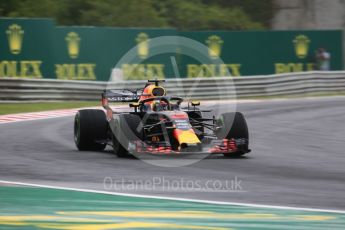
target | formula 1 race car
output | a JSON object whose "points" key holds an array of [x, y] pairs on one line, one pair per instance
{"points": [[158, 124]]}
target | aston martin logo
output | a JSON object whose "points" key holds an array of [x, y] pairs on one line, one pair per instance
{"points": [[73, 41], [15, 36], [301, 43], [143, 45], [214, 43]]}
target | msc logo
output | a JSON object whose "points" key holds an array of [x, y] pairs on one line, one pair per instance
{"points": [[143, 45], [301, 43], [214, 43], [15, 38], [73, 41]]}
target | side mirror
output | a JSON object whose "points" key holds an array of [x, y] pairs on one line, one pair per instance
{"points": [[134, 105], [195, 103]]}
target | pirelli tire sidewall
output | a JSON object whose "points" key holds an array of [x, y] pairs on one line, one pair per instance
{"points": [[90, 125]]}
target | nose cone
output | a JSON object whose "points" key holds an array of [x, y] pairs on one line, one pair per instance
{"points": [[186, 137]]}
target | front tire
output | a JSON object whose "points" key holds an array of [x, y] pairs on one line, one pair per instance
{"points": [[90, 125], [126, 130], [234, 126]]}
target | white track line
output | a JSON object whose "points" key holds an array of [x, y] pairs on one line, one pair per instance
{"points": [[176, 199]]}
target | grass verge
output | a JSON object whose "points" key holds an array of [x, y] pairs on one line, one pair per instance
{"points": [[10, 108]]}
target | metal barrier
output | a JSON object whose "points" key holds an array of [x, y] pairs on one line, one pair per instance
{"points": [[202, 88]]}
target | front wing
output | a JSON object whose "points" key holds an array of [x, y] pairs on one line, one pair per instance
{"points": [[224, 146]]}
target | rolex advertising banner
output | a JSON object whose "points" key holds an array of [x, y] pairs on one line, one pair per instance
{"points": [[264, 52], [37, 48], [26, 48], [92, 53]]}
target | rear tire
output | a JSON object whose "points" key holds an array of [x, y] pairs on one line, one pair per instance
{"points": [[125, 131], [90, 125], [234, 126]]}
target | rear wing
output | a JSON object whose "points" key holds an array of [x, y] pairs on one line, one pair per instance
{"points": [[125, 95]]}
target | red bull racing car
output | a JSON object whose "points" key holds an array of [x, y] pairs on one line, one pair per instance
{"points": [[158, 124]]}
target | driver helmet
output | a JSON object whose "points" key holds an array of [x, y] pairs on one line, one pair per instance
{"points": [[152, 91], [159, 106]]}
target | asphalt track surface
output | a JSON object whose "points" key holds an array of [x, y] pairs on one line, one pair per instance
{"points": [[298, 159]]}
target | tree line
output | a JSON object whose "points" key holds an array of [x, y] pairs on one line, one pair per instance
{"points": [[180, 14]]}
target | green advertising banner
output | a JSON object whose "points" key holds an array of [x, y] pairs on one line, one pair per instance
{"points": [[37, 48], [91, 53], [26, 47], [264, 52]]}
